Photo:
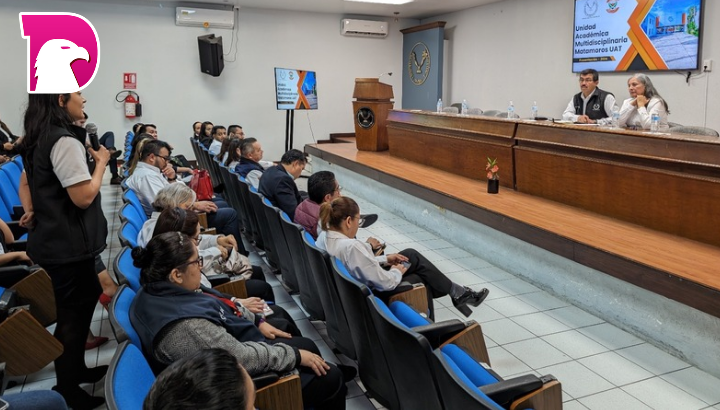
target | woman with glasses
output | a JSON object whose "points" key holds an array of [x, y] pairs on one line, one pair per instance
{"points": [[644, 103], [175, 317], [340, 219]]}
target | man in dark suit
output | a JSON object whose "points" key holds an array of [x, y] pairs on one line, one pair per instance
{"points": [[278, 183]]}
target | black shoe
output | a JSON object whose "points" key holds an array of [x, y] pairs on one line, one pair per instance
{"points": [[116, 154], [78, 399], [115, 180], [470, 297], [94, 375], [368, 220]]}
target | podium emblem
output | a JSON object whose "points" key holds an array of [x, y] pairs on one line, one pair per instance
{"points": [[418, 70], [365, 117]]}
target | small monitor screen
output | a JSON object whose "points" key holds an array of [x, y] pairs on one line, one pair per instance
{"points": [[616, 35], [295, 89]]}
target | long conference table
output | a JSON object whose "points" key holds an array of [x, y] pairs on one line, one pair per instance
{"points": [[666, 182]]}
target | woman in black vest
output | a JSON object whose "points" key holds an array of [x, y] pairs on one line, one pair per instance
{"points": [[68, 228], [175, 316]]}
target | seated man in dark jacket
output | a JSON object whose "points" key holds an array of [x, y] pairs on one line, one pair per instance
{"points": [[249, 166], [278, 182]]}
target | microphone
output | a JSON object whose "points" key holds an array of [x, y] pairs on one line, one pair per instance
{"points": [[91, 128], [389, 75]]}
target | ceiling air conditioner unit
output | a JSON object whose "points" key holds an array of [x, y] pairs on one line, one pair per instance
{"points": [[208, 18], [363, 28]]}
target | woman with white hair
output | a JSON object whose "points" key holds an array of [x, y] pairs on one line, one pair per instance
{"points": [[644, 102]]}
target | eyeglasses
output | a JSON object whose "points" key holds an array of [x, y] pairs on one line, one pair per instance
{"points": [[198, 261], [361, 220], [167, 159], [196, 239], [338, 189]]}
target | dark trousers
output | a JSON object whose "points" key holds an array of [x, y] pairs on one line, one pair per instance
{"points": [[319, 392], [77, 288], [423, 271], [108, 141], [225, 220]]}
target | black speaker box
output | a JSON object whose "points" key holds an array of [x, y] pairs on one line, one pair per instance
{"points": [[211, 54]]}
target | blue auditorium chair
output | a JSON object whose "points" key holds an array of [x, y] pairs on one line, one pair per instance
{"points": [[129, 213], [129, 379], [119, 313], [125, 270], [131, 197], [128, 234]]}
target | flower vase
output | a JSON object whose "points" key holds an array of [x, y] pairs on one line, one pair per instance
{"points": [[493, 186]]}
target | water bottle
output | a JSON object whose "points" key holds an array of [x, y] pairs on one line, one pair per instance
{"points": [[511, 110], [616, 118], [534, 110], [464, 107], [654, 122], [439, 106]]}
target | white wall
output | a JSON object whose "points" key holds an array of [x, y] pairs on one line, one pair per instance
{"points": [[173, 91], [521, 50]]}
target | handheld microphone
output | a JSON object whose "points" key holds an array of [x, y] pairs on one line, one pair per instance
{"points": [[389, 75]]}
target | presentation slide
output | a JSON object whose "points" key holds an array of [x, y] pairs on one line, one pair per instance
{"points": [[295, 89], [615, 35]]}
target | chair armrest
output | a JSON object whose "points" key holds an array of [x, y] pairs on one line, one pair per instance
{"points": [[285, 394], [473, 341], [416, 297], [216, 280], [202, 219], [438, 333], [234, 288], [548, 397], [12, 274], [265, 380], [36, 290], [505, 391], [27, 345]]}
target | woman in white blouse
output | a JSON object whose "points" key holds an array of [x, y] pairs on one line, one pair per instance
{"points": [[340, 218], [644, 101]]}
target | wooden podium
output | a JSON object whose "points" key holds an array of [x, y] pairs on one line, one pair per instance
{"points": [[370, 108]]}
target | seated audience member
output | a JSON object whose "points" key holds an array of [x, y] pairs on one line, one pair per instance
{"points": [[175, 316], [211, 379], [136, 128], [108, 141], [591, 105], [644, 101], [196, 129], [218, 135], [7, 141], [249, 166], [153, 172], [341, 219], [137, 145], [278, 183], [236, 131], [149, 129], [233, 154], [35, 400], [10, 258], [205, 136], [224, 148], [322, 187]]}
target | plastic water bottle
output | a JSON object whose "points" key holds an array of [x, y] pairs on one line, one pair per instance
{"points": [[464, 107], [534, 110], [511, 110], [616, 118], [654, 122], [439, 106]]}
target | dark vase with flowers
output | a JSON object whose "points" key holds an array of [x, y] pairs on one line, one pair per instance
{"points": [[493, 186]]}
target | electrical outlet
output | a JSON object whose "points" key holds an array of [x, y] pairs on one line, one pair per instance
{"points": [[707, 65]]}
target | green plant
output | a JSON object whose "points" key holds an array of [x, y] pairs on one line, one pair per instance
{"points": [[492, 169]]}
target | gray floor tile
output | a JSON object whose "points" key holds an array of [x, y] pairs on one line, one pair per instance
{"points": [[615, 368], [492, 274], [455, 254], [652, 359], [510, 306], [540, 324], [359, 403], [505, 363], [577, 380], [448, 267], [536, 353], [436, 244], [472, 263], [573, 405], [610, 336], [696, 382], [481, 314], [574, 317], [465, 278], [659, 394], [516, 286], [612, 399], [543, 301], [575, 344], [505, 331]]}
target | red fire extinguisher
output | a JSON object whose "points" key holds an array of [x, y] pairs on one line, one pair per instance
{"points": [[131, 103]]}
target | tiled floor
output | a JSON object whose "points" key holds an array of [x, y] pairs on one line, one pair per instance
{"points": [[527, 330]]}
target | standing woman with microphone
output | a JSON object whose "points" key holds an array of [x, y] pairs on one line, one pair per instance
{"points": [[67, 228]]}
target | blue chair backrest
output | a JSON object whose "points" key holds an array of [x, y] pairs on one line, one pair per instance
{"points": [[17, 159], [125, 268], [308, 238], [129, 379], [130, 213], [455, 369], [121, 315], [407, 315], [13, 171], [128, 234], [7, 191], [131, 197]]}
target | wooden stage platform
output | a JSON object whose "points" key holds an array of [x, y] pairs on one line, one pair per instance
{"points": [[675, 267]]}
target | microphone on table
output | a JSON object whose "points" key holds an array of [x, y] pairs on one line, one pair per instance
{"points": [[389, 74]]}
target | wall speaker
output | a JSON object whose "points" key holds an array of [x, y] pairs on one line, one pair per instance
{"points": [[211, 54]]}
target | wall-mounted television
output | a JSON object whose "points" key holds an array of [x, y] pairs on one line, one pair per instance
{"points": [[617, 35], [295, 89]]}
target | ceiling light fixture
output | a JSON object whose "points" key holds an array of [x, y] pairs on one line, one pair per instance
{"points": [[393, 2]]}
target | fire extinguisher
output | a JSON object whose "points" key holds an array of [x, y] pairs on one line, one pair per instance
{"points": [[131, 102]]}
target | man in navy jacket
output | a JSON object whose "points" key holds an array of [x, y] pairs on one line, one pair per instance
{"points": [[278, 183]]}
